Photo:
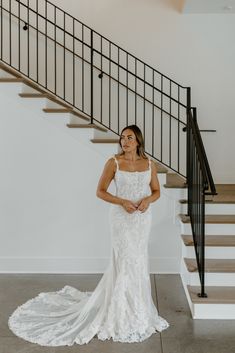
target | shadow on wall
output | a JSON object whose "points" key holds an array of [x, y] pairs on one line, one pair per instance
{"points": [[177, 5]]}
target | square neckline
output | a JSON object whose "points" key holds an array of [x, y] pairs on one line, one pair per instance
{"points": [[137, 171]]}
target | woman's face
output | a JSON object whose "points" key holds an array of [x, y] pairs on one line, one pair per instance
{"points": [[128, 141]]}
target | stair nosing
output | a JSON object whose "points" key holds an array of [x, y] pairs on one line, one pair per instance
{"points": [[56, 110], [104, 140], [212, 299], [210, 241], [86, 126], [209, 219], [208, 263]]}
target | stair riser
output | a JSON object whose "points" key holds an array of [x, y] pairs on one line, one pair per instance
{"points": [[84, 134], [4, 74], [213, 209], [74, 119], [214, 311], [107, 150], [211, 229], [50, 104], [27, 89], [34, 103], [216, 252], [105, 135], [175, 194], [211, 279], [209, 311], [11, 89], [58, 119]]}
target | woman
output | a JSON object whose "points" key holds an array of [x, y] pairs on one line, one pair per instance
{"points": [[121, 306]]}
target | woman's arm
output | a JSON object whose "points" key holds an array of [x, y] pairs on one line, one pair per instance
{"points": [[154, 184], [104, 182], [155, 188]]}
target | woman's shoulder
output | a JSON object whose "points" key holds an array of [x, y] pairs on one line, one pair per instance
{"points": [[117, 156], [112, 158]]}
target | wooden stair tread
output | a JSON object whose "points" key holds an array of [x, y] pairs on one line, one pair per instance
{"points": [[33, 95], [174, 180], [215, 219], [57, 110], [221, 200], [212, 240], [112, 140], [212, 265], [10, 79], [84, 126], [225, 188], [228, 198], [216, 295]]}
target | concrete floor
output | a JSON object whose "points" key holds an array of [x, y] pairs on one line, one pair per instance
{"points": [[184, 335]]}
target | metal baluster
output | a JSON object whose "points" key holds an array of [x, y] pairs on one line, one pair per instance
{"points": [[37, 41], [110, 99], [64, 90], [55, 84], [178, 125], [161, 117], [135, 91], [101, 80], [1, 32], [153, 83], [19, 30], [170, 127], [46, 43], [10, 31], [91, 51], [127, 82], [74, 73], [83, 68], [118, 93], [188, 137], [28, 37], [144, 109]]}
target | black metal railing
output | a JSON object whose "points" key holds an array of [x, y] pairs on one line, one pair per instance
{"points": [[95, 76], [111, 86], [200, 183]]}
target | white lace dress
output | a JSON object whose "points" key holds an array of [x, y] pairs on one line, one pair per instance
{"points": [[121, 306]]}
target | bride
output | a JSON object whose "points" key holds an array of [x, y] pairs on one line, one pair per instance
{"points": [[121, 306]]}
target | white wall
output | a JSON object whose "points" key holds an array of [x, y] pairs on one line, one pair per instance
{"points": [[50, 217], [195, 50]]}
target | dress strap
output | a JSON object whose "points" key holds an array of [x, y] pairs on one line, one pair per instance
{"points": [[149, 164], [116, 162]]}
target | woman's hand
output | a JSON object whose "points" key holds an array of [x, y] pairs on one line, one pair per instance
{"points": [[129, 206], [143, 205]]}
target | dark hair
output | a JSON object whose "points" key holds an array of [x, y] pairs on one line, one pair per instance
{"points": [[139, 139]]}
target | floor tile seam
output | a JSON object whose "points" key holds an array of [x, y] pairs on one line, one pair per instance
{"points": [[156, 294]]}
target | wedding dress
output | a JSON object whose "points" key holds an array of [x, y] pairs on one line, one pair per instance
{"points": [[121, 306]]}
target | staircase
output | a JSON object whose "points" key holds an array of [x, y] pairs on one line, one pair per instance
{"points": [[93, 126], [219, 257]]}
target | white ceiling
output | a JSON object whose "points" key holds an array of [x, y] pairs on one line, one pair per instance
{"points": [[209, 6]]}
